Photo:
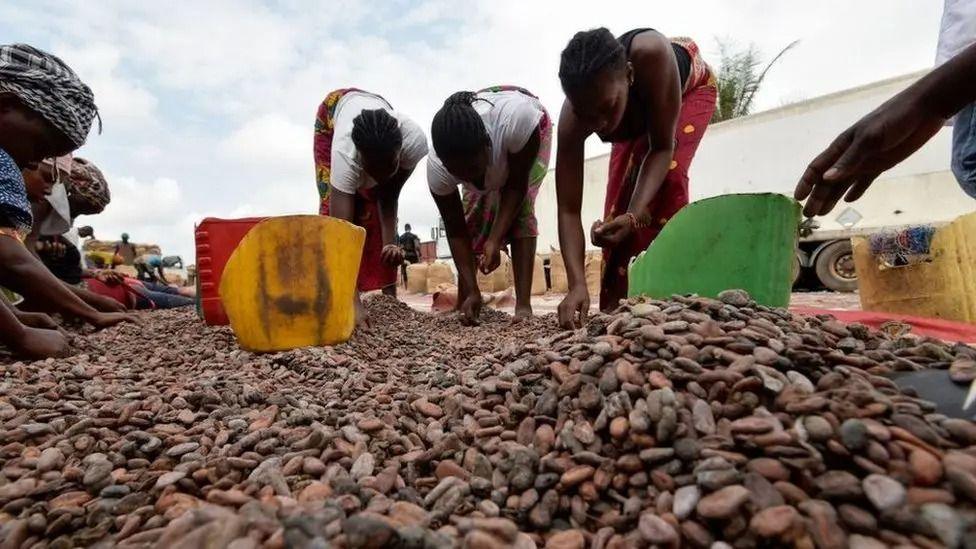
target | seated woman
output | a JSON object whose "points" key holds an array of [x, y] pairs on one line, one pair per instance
{"points": [[136, 294], [45, 112], [46, 189], [364, 152], [495, 145]]}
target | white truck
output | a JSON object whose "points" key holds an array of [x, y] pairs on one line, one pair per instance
{"points": [[768, 151]]}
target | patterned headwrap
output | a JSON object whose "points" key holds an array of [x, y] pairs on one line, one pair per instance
{"points": [[61, 166], [88, 183], [48, 86]]}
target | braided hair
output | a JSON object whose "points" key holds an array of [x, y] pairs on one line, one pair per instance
{"points": [[457, 129], [587, 54], [376, 131]]}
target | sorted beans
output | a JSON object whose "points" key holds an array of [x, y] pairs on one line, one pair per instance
{"points": [[690, 422]]}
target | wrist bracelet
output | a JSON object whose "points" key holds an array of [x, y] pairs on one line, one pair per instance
{"points": [[633, 220]]}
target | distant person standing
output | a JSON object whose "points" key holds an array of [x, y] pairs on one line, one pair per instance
{"points": [[410, 244], [126, 250]]}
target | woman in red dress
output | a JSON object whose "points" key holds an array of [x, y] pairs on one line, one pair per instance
{"points": [[652, 97]]}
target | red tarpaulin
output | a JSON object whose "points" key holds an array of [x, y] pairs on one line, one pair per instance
{"points": [[946, 330]]}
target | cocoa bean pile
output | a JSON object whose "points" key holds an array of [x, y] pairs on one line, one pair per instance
{"points": [[684, 423]]}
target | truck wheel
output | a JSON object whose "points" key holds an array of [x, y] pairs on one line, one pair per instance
{"points": [[797, 269], [835, 267]]}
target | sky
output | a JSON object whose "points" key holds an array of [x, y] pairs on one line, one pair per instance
{"points": [[208, 106]]}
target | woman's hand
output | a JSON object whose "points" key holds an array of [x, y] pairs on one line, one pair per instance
{"points": [[574, 308], [857, 156], [613, 232], [105, 304], [111, 278], [362, 317], [36, 320], [470, 306], [491, 258], [41, 343], [392, 255], [106, 320]]}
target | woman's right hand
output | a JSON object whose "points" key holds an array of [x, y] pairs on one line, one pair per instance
{"points": [[574, 308], [471, 308], [107, 320], [362, 317], [111, 278], [42, 343]]}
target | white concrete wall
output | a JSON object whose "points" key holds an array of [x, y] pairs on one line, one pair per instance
{"points": [[768, 151], [594, 192]]}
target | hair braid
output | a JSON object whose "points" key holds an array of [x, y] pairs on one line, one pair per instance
{"points": [[457, 129], [376, 131], [587, 54]]}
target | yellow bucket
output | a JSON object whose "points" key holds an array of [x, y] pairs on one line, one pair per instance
{"points": [[291, 282], [945, 287]]}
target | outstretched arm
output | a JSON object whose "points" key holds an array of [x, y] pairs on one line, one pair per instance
{"points": [[569, 199], [388, 203], [452, 212], [512, 196], [29, 277], [888, 135]]}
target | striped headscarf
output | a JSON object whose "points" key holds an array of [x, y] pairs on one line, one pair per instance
{"points": [[45, 84], [88, 183]]}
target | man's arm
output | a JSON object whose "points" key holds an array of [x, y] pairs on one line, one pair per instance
{"points": [[887, 135]]}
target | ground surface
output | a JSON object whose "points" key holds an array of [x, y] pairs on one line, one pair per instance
{"points": [[545, 304], [669, 423]]}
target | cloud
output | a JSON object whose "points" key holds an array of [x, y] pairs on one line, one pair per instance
{"points": [[270, 139], [121, 99], [209, 107]]}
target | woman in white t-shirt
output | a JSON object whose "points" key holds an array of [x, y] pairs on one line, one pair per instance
{"points": [[364, 152], [495, 144]]}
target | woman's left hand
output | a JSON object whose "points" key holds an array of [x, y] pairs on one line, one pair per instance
{"points": [[112, 278], [392, 255], [36, 320], [491, 258], [613, 232], [105, 304]]}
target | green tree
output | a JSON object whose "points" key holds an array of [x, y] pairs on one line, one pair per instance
{"points": [[739, 78]]}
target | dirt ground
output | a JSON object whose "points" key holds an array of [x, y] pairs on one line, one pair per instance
{"points": [[548, 303]]}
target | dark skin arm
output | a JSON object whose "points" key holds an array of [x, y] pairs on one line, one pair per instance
{"points": [[659, 85], [99, 302], [35, 320], [26, 275], [343, 206], [33, 340], [161, 275], [39, 210], [569, 200], [389, 198], [512, 196], [888, 135], [452, 212]]}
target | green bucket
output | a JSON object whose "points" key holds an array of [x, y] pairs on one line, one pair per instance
{"points": [[743, 241]]}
